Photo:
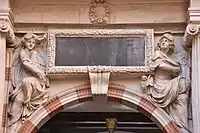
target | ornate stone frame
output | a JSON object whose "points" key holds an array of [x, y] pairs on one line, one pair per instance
{"points": [[53, 70]]}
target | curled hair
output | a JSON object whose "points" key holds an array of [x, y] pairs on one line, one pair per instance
{"points": [[38, 39], [168, 36], [27, 37]]}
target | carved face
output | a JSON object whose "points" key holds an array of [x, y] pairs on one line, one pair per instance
{"points": [[165, 45], [30, 44]]}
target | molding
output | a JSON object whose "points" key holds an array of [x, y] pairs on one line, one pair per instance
{"points": [[84, 2], [194, 15], [61, 71], [6, 28], [45, 30], [191, 31], [7, 14], [30, 30]]}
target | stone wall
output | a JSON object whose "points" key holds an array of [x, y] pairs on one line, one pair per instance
{"points": [[122, 12]]}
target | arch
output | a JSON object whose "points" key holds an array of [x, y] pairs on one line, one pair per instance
{"points": [[82, 93]]}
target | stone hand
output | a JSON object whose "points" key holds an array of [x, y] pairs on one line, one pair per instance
{"points": [[42, 76]]}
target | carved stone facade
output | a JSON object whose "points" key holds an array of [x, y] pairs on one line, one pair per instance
{"points": [[164, 89]]}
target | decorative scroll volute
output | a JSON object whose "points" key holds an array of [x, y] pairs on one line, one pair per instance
{"points": [[6, 29], [191, 31]]}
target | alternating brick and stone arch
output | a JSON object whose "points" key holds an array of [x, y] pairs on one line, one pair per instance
{"points": [[116, 93]]}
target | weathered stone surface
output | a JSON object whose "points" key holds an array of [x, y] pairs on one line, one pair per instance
{"points": [[77, 12]]}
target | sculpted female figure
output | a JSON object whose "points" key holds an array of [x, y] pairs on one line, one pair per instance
{"points": [[28, 80], [167, 88]]}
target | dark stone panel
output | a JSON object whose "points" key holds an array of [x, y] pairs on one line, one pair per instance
{"points": [[88, 51]]}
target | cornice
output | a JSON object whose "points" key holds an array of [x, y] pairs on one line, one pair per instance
{"points": [[83, 2], [6, 26], [7, 14], [194, 15]]}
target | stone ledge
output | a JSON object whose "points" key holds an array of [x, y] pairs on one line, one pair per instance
{"points": [[194, 15]]}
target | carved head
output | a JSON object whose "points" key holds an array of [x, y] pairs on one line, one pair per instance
{"points": [[166, 43], [28, 41]]}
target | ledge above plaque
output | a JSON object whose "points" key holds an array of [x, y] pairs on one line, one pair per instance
{"points": [[118, 51]]}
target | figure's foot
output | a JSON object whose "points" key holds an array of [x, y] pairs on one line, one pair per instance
{"points": [[28, 105], [27, 100]]}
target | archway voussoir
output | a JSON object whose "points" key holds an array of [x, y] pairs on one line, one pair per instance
{"points": [[114, 99], [53, 106], [84, 93], [85, 99], [170, 128], [146, 107], [115, 92], [28, 127]]}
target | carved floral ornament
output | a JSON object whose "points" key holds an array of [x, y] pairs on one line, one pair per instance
{"points": [[54, 70], [99, 12]]}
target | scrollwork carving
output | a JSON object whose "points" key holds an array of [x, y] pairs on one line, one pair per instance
{"points": [[191, 31], [168, 88], [99, 12], [29, 82], [8, 31]]}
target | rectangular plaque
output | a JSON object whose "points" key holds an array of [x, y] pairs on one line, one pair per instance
{"points": [[74, 51], [102, 51]]}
